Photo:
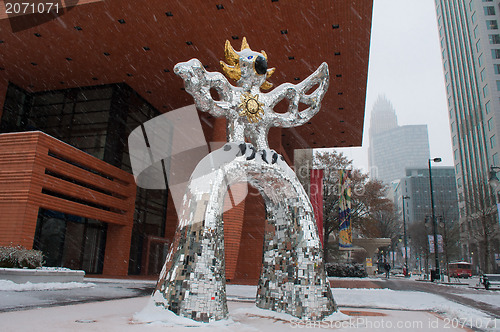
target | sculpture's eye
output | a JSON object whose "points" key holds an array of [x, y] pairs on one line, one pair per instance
{"points": [[250, 57], [261, 65]]}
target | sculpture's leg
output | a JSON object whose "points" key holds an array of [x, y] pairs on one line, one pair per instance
{"points": [[293, 278], [192, 283]]}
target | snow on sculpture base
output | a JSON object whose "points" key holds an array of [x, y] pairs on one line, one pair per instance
{"points": [[293, 279]]}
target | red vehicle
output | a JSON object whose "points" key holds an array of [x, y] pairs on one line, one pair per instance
{"points": [[460, 269]]}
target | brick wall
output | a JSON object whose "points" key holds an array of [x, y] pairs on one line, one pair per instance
{"points": [[233, 224], [252, 236], [24, 162]]}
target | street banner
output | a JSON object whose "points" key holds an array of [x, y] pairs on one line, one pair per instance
{"points": [[404, 252], [316, 197], [498, 210], [345, 230], [369, 262], [440, 243], [431, 243]]}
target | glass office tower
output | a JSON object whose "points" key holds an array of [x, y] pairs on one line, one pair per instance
{"points": [[470, 45]]}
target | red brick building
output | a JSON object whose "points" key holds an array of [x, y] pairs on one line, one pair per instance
{"points": [[96, 70]]}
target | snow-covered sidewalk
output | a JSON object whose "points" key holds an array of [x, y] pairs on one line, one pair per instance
{"points": [[7, 285], [365, 309]]}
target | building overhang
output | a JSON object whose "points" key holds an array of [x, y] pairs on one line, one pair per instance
{"points": [[112, 41]]}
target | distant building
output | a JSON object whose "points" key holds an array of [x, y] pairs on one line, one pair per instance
{"points": [[416, 185], [394, 148]]}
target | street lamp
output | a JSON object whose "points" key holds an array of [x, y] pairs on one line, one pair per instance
{"points": [[434, 224], [404, 229]]}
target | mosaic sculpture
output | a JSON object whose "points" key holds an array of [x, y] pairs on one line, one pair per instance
{"points": [[293, 279]]}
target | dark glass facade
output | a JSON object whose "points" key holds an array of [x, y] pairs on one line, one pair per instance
{"points": [[70, 241], [96, 120]]}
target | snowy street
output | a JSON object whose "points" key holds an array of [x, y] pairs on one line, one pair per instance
{"points": [[373, 305], [463, 291]]}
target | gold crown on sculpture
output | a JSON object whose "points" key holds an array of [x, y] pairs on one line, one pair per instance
{"points": [[232, 69]]}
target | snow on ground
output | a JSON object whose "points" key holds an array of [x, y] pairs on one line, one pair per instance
{"points": [[384, 298], [375, 310], [7, 285], [154, 314], [117, 315], [392, 299]]}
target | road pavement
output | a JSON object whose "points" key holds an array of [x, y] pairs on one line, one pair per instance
{"points": [[102, 291], [458, 293]]}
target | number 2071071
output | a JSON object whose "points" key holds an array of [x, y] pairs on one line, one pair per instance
{"points": [[31, 8]]}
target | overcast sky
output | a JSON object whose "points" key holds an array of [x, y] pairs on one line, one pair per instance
{"points": [[405, 66]]}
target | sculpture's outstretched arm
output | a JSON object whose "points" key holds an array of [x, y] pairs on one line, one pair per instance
{"points": [[198, 83], [296, 94]]}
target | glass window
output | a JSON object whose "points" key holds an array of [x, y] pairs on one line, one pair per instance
{"points": [[494, 39], [498, 85], [497, 68], [480, 60], [455, 154], [453, 127], [473, 17], [495, 159], [493, 141], [486, 91], [487, 107], [487, 0], [483, 74], [454, 140], [491, 24], [490, 124], [489, 10], [478, 45], [495, 53]]}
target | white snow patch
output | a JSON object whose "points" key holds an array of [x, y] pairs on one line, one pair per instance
{"points": [[43, 268], [7, 285], [154, 315], [157, 315], [241, 291], [254, 311], [410, 300]]}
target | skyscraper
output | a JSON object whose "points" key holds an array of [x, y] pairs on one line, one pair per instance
{"points": [[394, 148], [470, 45]]}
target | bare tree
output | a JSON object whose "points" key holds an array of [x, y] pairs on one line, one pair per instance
{"points": [[418, 232], [372, 214], [482, 225]]}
